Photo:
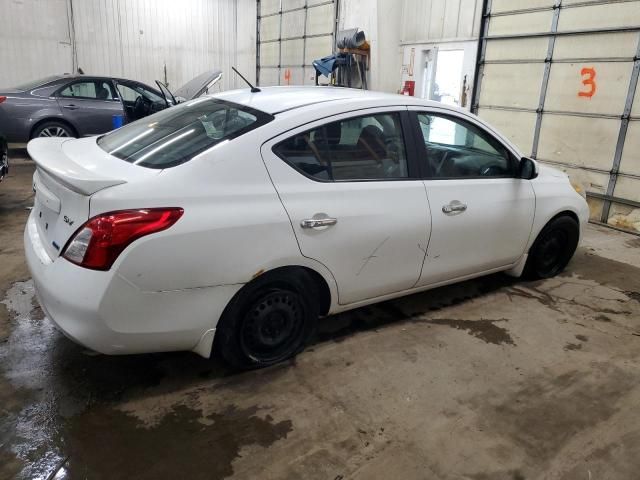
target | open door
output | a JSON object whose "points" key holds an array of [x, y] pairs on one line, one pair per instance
{"points": [[169, 99]]}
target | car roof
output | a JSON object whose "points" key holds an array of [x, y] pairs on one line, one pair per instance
{"points": [[79, 76], [276, 100]]}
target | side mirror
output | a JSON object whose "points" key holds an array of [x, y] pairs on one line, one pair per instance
{"points": [[528, 169]]}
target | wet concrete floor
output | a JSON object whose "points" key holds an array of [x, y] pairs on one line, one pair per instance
{"points": [[489, 379]]}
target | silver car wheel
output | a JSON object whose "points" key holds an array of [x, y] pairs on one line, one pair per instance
{"points": [[54, 132]]}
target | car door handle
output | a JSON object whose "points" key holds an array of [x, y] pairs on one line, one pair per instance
{"points": [[318, 222], [454, 208], [70, 107]]}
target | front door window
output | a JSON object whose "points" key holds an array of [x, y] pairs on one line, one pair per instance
{"points": [[458, 149]]}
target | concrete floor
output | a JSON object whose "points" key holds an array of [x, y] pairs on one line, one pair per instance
{"points": [[490, 379]]}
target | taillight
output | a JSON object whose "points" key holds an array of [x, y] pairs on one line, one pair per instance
{"points": [[97, 244], [2, 98]]}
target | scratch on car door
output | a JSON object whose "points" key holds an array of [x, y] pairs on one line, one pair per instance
{"points": [[371, 256]]}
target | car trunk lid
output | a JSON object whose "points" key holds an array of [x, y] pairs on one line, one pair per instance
{"points": [[68, 172]]}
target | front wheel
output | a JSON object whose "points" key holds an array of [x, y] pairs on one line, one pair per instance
{"points": [[554, 247], [268, 321]]}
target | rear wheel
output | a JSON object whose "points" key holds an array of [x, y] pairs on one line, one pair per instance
{"points": [[268, 321], [53, 129], [554, 247]]}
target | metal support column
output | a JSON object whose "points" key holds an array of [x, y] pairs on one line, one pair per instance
{"points": [[482, 50], [71, 24], [280, 47], [258, 6], [545, 77], [304, 38], [622, 134]]}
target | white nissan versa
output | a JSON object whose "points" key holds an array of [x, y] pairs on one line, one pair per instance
{"points": [[232, 222]]}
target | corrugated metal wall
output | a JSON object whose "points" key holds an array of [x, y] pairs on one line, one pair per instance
{"points": [[128, 38], [560, 77], [425, 21], [35, 40]]}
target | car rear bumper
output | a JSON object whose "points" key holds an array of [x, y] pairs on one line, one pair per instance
{"points": [[16, 130], [108, 314]]}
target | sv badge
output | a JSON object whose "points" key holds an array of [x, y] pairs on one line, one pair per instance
{"points": [[68, 221]]}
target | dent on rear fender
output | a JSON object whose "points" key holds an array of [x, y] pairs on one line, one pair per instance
{"points": [[129, 310]]}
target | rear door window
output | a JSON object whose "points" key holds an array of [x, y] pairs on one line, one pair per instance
{"points": [[177, 134], [92, 90], [369, 147]]}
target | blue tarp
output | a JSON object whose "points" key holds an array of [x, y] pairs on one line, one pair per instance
{"points": [[328, 64]]}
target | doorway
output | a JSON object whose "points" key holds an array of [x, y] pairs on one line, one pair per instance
{"points": [[447, 86]]}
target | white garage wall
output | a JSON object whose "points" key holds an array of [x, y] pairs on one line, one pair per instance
{"points": [[426, 21], [128, 38], [432, 26], [394, 28], [35, 40], [380, 20]]}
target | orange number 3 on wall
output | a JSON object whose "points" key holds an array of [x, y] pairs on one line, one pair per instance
{"points": [[588, 82]]}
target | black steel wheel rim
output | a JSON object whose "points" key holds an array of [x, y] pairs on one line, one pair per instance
{"points": [[272, 326], [551, 252]]}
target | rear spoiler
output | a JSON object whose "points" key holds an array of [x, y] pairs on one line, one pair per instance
{"points": [[48, 155]]}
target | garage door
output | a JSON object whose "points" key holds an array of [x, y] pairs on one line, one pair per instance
{"points": [[291, 34], [560, 79]]}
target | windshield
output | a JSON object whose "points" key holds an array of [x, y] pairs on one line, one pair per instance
{"points": [[177, 134], [36, 83]]}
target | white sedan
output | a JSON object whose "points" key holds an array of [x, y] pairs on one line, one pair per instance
{"points": [[231, 223]]}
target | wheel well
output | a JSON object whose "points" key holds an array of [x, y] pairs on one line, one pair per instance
{"points": [[323, 290], [324, 293], [567, 213], [49, 119]]}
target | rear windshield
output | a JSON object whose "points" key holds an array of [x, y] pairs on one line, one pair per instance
{"points": [[177, 134], [35, 83]]}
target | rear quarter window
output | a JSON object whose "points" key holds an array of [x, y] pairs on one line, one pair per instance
{"points": [[175, 135]]}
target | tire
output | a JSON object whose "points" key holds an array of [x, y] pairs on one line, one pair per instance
{"points": [[53, 129], [4, 159], [268, 321], [552, 250]]}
